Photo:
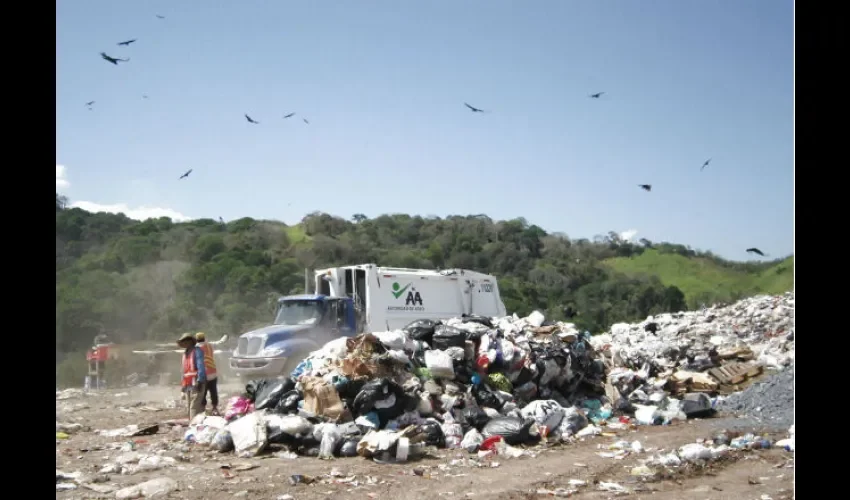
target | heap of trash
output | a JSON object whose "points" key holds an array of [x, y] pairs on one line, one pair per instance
{"points": [[716, 350], [491, 385], [759, 328]]}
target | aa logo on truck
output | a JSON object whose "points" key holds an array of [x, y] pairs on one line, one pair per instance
{"points": [[412, 301]]}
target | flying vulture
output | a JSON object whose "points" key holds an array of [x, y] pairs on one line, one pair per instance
{"points": [[113, 60]]}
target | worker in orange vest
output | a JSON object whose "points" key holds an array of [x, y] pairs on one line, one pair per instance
{"points": [[194, 380], [212, 376]]}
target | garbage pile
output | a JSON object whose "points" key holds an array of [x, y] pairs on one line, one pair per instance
{"points": [[492, 385], [758, 328], [707, 351], [485, 385]]}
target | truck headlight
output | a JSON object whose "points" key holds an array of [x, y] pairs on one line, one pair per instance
{"points": [[272, 352]]}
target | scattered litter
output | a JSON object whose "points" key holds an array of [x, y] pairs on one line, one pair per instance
{"points": [[560, 492], [149, 489], [613, 487], [296, 479]]}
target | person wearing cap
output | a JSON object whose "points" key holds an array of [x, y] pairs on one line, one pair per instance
{"points": [[212, 376], [194, 381]]}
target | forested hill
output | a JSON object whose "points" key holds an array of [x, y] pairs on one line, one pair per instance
{"points": [[151, 280]]}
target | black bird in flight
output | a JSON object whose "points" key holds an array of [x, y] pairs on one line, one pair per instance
{"points": [[251, 120], [474, 109], [186, 174], [144, 96], [112, 59], [290, 115], [127, 43], [705, 164], [305, 121], [596, 95], [756, 251], [646, 187], [160, 17], [89, 103]]}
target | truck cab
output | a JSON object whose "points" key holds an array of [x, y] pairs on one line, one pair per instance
{"points": [[302, 324]]}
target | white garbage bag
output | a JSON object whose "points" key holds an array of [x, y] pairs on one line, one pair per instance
{"points": [[546, 412], [249, 434], [440, 365]]}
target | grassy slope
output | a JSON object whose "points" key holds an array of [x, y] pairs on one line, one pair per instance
{"points": [[296, 234], [699, 276]]}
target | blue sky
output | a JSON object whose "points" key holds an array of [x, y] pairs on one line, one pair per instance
{"points": [[383, 85]]}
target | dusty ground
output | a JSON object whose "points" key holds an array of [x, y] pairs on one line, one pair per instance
{"points": [[756, 475]]}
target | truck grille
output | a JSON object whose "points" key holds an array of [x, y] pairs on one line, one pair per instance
{"points": [[249, 347]]}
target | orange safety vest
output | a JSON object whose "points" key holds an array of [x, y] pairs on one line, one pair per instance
{"points": [[209, 359], [190, 372]]}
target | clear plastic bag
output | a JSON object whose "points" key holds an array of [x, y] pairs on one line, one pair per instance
{"points": [[471, 441], [440, 364], [331, 435]]}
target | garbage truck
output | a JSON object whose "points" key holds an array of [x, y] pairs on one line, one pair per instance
{"points": [[357, 299]]}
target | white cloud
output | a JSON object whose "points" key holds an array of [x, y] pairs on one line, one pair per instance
{"points": [[138, 213], [628, 234], [61, 182]]}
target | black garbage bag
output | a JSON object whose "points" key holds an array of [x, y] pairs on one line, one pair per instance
{"points": [[623, 406], [463, 372], [434, 433], [370, 392], [475, 417], [486, 398], [474, 318], [526, 392], [384, 397], [312, 451], [253, 386], [447, 336], [310, 441], [350, 390], [421, 329], [474, 336], [697, 405], [288, 403], [525, 375], [347, 448], [269, 394], [277, 436], [513, 430]]}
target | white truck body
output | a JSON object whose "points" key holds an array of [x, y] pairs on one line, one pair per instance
{"points": [[388, 298]]}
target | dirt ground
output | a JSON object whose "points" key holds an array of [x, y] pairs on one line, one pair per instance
{"points": [[757, 475]]}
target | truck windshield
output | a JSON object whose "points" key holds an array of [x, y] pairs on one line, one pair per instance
{"points": [[298, 312]]}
